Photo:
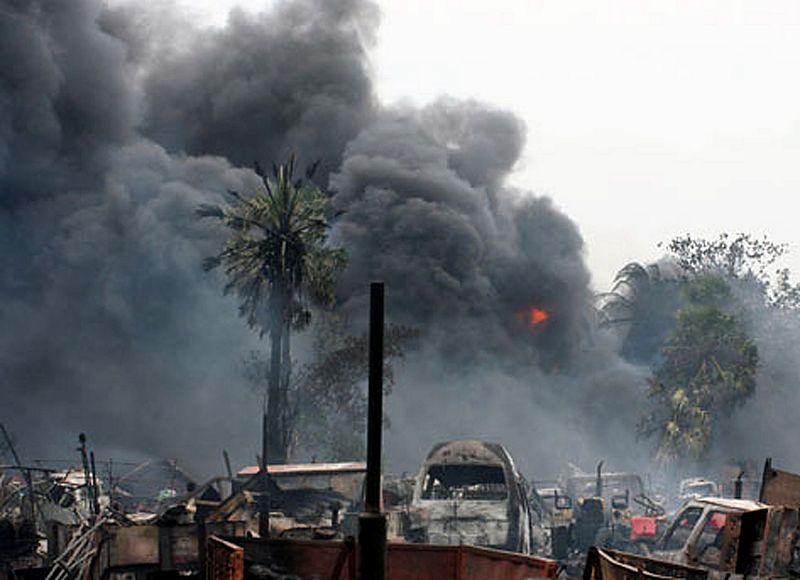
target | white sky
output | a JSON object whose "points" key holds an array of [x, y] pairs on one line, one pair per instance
{"points": [[646, 119]]}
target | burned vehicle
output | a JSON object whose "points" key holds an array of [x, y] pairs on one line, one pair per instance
{"points": [[696, 533], [557, 505], [697, 487], [610, 487], [733, 536], [470, 492]]}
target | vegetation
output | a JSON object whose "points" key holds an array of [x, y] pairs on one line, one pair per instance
{"points": [[743, 259], [327, 400], [736, 297], [277, 261], [708, 368]]}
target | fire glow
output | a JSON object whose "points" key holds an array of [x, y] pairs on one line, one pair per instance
{"points": [[538, 316], [533, 316]]}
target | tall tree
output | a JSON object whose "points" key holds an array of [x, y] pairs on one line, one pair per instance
{"points": [[327, 399], [277, 261], [708, 368], [742, 259]]}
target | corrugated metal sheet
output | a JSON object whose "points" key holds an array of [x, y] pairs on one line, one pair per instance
{"points": [[306, 469]]}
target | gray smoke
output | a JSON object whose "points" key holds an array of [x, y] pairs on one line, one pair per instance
{"points": [[109, 325], [116, 124], [766, 425], [464, 259], [291, 80], [462, 255]]}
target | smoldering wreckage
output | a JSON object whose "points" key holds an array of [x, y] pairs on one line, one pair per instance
{"points": [[467, 513], [101, 169]]}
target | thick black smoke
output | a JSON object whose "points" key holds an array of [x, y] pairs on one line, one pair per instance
{"points": [[465, 258], [112, 130], [426, 211], [109, 325], [292, 80], [65, 99]]}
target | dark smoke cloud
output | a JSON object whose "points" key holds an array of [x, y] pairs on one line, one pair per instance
{"points": [[108, 323], [464, 258], [65, 99], [428, 214], [116, 124], [292, 80]]}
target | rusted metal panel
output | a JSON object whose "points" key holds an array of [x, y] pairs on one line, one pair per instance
{"points": [[730, 542], [422, 561], [334, 560], [780, 488], [224, 560], [431, 562], [478, 563], [183, 546], [331, 560], [612, 565], [133, 546]]}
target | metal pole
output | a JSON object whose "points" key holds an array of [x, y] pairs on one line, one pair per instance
{"points": [[737, 486], [372, 523], [95, 488], [375, 408], [263, 500], [86, 475], [111, 482]]}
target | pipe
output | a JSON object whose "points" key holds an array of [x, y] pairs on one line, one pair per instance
{"points": [[372, 523]]}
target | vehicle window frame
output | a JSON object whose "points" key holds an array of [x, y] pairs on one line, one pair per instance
{"points": [[666, 542], [698, 549]]}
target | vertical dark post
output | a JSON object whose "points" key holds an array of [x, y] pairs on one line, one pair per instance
{"points": [[372, 523], [765, 478], [87, 478], [737, 486], [95, 488], [375, 408], [263, 500], [598, 483], [111, 482]]}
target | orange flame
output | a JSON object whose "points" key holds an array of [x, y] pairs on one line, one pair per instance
{"points": [[538, 315]]}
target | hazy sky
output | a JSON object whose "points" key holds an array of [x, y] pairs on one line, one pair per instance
{"points": [[646, 119]]}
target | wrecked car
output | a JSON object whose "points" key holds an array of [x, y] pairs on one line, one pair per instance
{"points": [[470, 492], [734, 536], [697, 487]]}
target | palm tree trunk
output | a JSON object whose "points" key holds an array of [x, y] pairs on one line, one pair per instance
{"points": [[276, 411], [286, 375]]}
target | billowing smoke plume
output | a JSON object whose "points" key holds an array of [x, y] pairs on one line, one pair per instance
{"points": [[290, 81], [114, 127], [462, 256], [108, 323]]}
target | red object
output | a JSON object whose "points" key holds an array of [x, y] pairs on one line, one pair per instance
{"points": [[336, 560], [717, 520], [643, 527]]}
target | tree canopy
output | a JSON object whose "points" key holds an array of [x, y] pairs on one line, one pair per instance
{"points": [[708, 367], [277, 261]]}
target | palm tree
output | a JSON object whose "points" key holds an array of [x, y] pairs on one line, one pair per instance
{"points": [[277, 261]]}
